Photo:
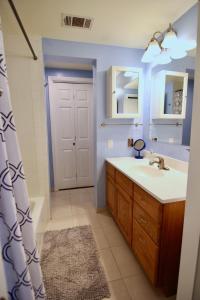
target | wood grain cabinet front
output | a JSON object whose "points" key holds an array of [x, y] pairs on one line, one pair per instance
{"points": [[152, 229], [148, 203], [146, 251], [125, 183], [111, 196], [124, 213]]}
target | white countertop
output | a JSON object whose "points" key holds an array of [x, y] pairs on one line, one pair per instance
{"points": [[165, 186]]}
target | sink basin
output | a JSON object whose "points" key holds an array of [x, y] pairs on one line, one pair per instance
{"points": [[150, 171]]}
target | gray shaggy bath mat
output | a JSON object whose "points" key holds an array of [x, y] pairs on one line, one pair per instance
{"points": [[71, 267]]}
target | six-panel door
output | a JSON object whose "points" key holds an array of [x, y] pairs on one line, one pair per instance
{"points": [[72, 135]]}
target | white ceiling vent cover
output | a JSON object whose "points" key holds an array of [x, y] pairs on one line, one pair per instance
{"points": [[77, 21]]}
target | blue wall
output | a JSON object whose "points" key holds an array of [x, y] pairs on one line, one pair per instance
{"points": [[104, 56], [66, 73], [186, 27]]}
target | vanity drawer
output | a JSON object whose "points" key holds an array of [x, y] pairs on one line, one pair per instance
{"points": [[110, 170], [146, 251], [147, 223], [124, 182], [148, 203]]}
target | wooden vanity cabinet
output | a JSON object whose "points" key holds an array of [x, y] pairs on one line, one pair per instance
{"points": [[124, 213], [110, 190], [152, 229]]}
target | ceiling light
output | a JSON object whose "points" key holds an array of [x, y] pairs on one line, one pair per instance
{"points": [[163, 48], [187, 44], [177, 53], [152, 50], [170, 38], [163, 58], [147, 58], [154, 47]]}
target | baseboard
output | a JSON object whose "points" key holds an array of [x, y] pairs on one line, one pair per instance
{"points": [[102, 209]]}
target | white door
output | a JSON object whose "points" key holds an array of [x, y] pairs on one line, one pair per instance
{"points": [[84, 134], [72, 134]]}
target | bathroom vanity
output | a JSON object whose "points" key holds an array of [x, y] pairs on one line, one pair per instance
{"points": [[148, 206]]}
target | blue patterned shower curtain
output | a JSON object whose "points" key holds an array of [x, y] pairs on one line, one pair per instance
{"points": [[18, 248]]}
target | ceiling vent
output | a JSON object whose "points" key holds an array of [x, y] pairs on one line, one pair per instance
{"points": [[77, 21]]}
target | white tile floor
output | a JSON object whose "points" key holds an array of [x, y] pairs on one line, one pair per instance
{"points": [[126, 279]]}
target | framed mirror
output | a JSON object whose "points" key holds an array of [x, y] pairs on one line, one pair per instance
{"points": [[124, 92], [174, 95], [178, 102]]}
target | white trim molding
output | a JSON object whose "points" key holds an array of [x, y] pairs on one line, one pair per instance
{"points": [[69, 79]]}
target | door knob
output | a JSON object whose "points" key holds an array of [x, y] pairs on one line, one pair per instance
{"points": [[74, 143]]}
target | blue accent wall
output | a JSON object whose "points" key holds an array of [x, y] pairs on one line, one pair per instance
{"points": [[104, 57], [68, 73], [186, 26]]}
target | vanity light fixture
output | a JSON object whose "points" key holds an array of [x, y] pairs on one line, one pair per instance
{"points": [[162, 48], [154, 46], [164, 58], [177, 53], [187, 45], [170, 38], [153, 49]]}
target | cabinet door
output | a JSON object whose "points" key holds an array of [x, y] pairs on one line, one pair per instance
{"points": [[124, 92], [124, 214], [146, 251], [169, 95], [111, 196]]}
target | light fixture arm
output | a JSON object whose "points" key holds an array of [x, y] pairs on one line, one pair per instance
{"points": [[171, 28], [158, 35]]}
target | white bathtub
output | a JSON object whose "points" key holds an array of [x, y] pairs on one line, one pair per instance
{"points": [[40, 218]]}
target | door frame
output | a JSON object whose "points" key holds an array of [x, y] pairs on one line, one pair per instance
{"points": [[62, 79]]}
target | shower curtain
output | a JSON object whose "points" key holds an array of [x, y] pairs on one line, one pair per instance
{"points": [[18, 248]]}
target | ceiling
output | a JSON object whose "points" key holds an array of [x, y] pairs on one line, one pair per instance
{"points": [[128, 23]]}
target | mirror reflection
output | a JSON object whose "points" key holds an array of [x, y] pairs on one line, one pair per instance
{"points": [[173, 95], [175, 124], [127, 92]]}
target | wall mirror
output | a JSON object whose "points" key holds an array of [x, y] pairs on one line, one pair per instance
{"points": [[127, 92], [173, 100], [170, 118], [124, 92]]}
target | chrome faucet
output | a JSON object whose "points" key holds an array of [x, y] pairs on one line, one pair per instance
{"points": [[160, 162]]}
